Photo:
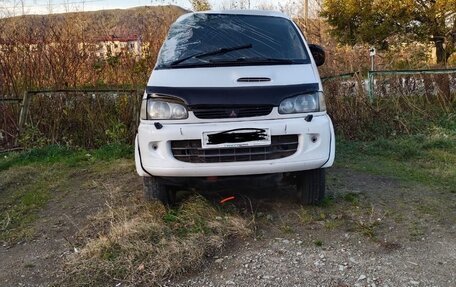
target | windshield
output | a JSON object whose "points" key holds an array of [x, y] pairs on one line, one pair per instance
{"points": [[213, 39]]}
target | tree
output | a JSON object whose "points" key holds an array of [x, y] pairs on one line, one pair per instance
{"points": [[386, 22], [200, 5]]}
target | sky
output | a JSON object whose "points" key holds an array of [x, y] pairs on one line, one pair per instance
{"points": [[17, 7]]}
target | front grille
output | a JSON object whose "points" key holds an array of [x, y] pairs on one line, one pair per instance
{"points": [[222, 113], [191, 151]]}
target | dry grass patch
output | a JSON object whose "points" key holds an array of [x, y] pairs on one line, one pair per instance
{"points": [[144, 243]]}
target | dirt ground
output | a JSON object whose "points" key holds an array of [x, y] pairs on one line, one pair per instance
{"points": [[39, 261], [398, 235], [373, 231]]}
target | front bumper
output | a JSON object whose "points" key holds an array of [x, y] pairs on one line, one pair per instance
{"points": [[154, 157]]}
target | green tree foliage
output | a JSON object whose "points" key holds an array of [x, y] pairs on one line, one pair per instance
{"points": [[200, 5], [386, 22]]}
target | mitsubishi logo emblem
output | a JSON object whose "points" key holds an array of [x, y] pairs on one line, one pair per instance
{"points": [[233, 114]]}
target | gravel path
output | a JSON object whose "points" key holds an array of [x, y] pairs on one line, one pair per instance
{"points": [[413, 241], [349, 261]]}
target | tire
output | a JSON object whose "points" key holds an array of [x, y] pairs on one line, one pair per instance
{"points": [[311, 185], [154, 190]]}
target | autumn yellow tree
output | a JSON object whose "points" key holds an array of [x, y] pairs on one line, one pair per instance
{"points": [[200, 5], [386, 22]]}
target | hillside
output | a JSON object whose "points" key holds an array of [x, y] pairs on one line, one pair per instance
{"points": [[143, 20]]}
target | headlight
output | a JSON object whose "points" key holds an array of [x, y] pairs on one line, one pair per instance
{"points": [[159, 109], [306, 103]]}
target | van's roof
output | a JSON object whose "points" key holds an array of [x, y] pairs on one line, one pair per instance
{"points": [[243, 12]]}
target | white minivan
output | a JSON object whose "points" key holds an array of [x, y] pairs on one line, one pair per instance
{"points": [[235, 97]]}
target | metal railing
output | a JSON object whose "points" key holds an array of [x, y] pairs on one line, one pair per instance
{"points": [[61, 101], [373, 74], [46, 104], [397, 82]]}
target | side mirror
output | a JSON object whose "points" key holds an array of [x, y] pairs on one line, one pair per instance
{"points": [[318, 54]]}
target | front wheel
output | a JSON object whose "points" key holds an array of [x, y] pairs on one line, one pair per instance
{"points": [[154, 190], [311, 185]]}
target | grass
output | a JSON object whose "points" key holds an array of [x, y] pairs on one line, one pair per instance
{"points": [[29, 179], [351, 197], [130, 241], [25, 192], [429, 160], [368, 225], [64, 155], [347, 211], [318, 243], [146, 244]]}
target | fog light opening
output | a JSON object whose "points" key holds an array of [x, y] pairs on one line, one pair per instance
{"points": [[154, 146]]}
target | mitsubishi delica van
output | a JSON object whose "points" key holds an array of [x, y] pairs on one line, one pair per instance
{"points": [[235, 97]]}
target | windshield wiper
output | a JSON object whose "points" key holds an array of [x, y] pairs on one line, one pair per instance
{"points": [[219, 51], [256, 61]]}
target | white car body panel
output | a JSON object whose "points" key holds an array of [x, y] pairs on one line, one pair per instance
{"points": [[157, 159], [280, 75]]}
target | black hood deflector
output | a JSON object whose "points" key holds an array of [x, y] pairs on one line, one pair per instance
{"points": [[233, 96]]}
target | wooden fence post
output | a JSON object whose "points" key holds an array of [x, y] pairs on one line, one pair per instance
{"points": [[139, 96], [24, 111], [137, 108]]}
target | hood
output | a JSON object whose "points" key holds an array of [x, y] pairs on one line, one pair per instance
{"points": [[234, 86], [277, 75]]}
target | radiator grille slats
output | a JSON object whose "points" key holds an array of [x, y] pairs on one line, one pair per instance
{"points": [[191, 151], [234, 112]]}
